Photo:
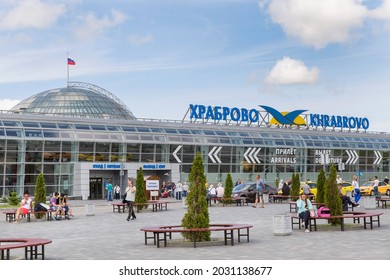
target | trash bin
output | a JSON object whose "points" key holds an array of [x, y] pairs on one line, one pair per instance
{"points": [[369, 202], [282, 225], [90, 209]]}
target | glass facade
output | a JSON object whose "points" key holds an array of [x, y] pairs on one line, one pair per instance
{"points": [[30, 144]]}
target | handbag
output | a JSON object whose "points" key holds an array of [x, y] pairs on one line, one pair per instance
{"points": [[312, 214], [124, 198]]}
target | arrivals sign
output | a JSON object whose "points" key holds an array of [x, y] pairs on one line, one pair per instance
{"points": [[219, 113]]}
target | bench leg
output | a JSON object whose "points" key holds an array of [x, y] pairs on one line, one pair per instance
{"points": [[342, 224]]}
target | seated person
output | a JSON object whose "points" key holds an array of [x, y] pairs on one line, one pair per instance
{"points": [[212, 192], [164, 193], [220, 190], [65, 209], [55, 205], [25, 206], [285, 189], [346, 199], [304, 206]]}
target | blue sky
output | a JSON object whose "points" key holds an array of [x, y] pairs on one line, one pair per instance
{"points": [[328, 57]]}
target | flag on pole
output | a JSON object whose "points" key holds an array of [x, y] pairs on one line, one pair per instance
{"points": [[71, 61]]}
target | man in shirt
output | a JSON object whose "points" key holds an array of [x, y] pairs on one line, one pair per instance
{"points": [[55, 205], [109, 191], [25, 206], [260, 191]]}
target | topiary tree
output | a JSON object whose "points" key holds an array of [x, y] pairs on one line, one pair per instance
{"points": [[140, 193], [13, 198], [228, 188], [295, 187], [320, 197], [197, 215], [40, 192], [332, 197]]}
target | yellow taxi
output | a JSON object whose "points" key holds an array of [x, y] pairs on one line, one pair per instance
{"points": [[368, 189], [347, 187]]}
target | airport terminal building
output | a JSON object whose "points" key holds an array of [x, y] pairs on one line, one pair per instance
{"points": [[81, 136]]}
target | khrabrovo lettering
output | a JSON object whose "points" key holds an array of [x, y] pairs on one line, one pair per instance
{"points": [[338, 121], [223, 113]]}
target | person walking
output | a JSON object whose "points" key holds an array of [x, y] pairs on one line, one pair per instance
{"points": [[356, 188], [260, 192], [130, 198]]}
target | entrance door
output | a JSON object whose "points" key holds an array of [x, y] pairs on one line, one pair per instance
{"points": [[95, 188]]}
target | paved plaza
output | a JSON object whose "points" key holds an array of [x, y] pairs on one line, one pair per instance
{"points": [[106, 235]]}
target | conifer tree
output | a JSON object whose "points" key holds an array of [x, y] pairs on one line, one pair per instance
{"points": [[40, 192], [295, 187], [140, 193], [228, 188], [320, 197], [197, 215], [332, 197]]}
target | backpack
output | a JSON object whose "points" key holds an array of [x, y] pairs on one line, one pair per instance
{"points": [[323, 212], [41, 207]]}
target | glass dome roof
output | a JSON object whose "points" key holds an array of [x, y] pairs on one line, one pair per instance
{"points": [[76, 100]]}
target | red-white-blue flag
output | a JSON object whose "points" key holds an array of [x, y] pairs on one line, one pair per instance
{"points": [[71, 61]]}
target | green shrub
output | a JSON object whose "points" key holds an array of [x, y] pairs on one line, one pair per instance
{"points": [[140, 192], [197, 215], [13, 198], [295, 187], [40, 193], [320, 197], [332, 197], [228, 187]]}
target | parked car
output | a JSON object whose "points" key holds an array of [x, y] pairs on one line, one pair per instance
{"points": [[347, 187], [368, 189], [249, 190]]}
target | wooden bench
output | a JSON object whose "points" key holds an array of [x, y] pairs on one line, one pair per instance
{"points": [[10, 215], [239, 201], [279, 198], [31, 246], [293, 205], [156, 206], [383, 201], [118, 206], [167, 231], [368, 219]]}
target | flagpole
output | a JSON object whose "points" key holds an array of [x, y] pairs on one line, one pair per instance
{"points": [[67, 66]]}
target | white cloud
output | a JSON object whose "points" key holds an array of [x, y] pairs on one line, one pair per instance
{"points": [[382, 12], [138, 40], [317, 22], [291, 71], [92, 26], [6, 104], [30, 14]]}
